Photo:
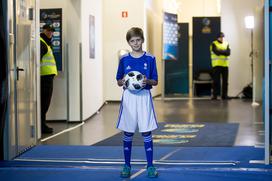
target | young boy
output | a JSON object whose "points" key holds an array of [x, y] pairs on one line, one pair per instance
{"points": [[137, 108]]}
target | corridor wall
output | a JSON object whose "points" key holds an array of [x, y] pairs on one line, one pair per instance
{"points": [[92, 68], [153, 24], [187, 10], [76, 34], [146, 14], [115, 28], [233, 25], [57, 109]]}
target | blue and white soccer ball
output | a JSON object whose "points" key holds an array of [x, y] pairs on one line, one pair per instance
{"points": [[134, 81]]}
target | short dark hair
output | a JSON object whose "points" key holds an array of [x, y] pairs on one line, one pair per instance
{"points": [[48, 27], [134, 31]]}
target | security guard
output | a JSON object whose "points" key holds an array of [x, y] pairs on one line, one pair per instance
{"points": [[220, 51], [48, 70]]}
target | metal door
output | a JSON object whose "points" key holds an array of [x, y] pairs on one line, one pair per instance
{"points": [[23, 76]]}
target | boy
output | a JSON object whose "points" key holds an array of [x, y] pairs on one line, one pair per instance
{"points": [[137, 109]]}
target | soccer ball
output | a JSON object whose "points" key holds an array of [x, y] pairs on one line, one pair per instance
{"points": [[134, 81]]}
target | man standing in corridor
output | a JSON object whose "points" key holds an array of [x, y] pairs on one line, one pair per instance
{"points": [[48, 70], [220, 51]]}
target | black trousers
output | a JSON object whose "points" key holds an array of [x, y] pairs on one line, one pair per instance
{"points": [[46, 95], [219, 72]]}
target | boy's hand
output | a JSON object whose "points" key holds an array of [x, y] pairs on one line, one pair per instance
{"points": [[145, 81], [121, 82], [149, 82]]}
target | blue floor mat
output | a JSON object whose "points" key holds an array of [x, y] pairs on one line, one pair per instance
{"points": [[50, 162], [239, 153], [184, 134], [112, 173]]}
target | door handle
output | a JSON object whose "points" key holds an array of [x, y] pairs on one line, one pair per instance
{"points": [[17, 71]]}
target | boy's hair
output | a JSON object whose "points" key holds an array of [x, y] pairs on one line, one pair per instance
{"points": [[134, 31]]}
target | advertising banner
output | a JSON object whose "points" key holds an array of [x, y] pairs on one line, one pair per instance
{"points": [[54, 18], [170, 36]]}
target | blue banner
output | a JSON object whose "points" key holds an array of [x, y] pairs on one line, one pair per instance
{"points": [[170, 37], [54, 18]]}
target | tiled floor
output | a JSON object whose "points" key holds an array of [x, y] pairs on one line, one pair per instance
{"points": [[102, 125]]}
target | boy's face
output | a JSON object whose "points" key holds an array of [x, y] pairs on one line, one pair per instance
{"points": [[136, 43]]}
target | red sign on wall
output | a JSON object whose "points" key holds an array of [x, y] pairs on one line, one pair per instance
{"points": [[124, 14]]}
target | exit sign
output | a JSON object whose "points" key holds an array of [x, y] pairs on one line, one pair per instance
{"points": [[124, 14]]}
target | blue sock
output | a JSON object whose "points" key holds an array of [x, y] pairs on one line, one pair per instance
{"points": [[148, 143], [127, 141]]}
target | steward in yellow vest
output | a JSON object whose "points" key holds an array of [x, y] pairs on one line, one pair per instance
{"points": [[48, 70], [48, 62], [220, 52]]}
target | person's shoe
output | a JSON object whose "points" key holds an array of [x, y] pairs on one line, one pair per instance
{"points": [[152, 172], [125, 173], [46, 129]]}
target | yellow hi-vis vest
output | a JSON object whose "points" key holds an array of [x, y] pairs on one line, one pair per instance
{"points": [[48, 63], [221, 60]]}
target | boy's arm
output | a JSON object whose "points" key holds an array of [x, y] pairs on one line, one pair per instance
{"points": [[120, 74], [153, 81]]}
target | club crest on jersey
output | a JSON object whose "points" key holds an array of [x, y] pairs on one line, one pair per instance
{"points": [[145, 65], [128, 67]]}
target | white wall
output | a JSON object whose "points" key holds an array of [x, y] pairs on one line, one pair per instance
{"points": [[75, 31], [232, 23], [154, 20], [73, 40], [196, 8], [58, 109], [187, 9], [114, 38], [258, 52], [92, 69]]}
